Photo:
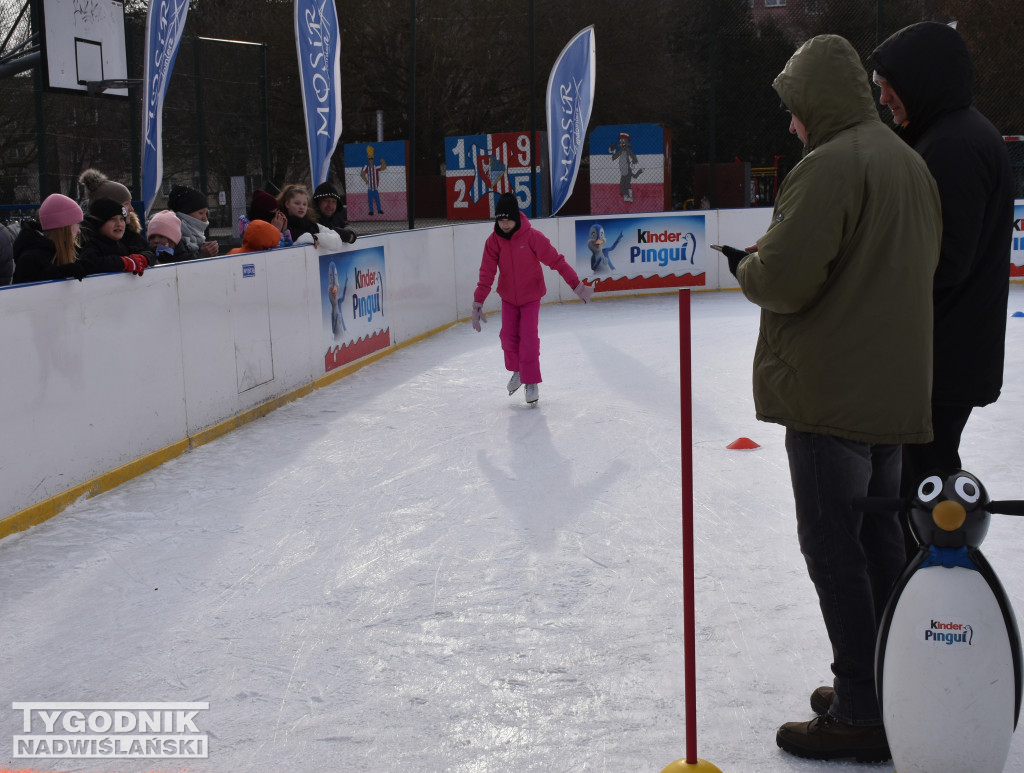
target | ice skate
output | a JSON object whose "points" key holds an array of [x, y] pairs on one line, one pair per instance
{"points": [[514, 383], [532, 394]]}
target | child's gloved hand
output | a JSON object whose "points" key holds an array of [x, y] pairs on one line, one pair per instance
{"points": [[478, 315], [135, 263], [583, 291]]}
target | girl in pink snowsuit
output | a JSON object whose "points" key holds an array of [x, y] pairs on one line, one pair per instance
{"points": [[518, 250]]}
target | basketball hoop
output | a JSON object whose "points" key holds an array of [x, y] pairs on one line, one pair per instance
{"points": [[98, 87]]}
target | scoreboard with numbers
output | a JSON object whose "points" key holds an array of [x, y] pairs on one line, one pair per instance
{"points": [[481, 167]]}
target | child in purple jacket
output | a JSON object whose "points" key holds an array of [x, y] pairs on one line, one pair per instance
{"points": [[518, 249]]}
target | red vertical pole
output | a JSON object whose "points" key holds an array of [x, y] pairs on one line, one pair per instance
{"points": [[686, 442]]}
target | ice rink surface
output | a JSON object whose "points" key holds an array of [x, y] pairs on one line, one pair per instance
{"points": [[410, 570]]}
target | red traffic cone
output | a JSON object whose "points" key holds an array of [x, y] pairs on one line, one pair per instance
{"points": [[742, 444]]}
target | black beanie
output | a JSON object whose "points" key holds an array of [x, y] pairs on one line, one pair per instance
{"points": [[507, 208], [102, 210], [326, 191], [187, 200]]}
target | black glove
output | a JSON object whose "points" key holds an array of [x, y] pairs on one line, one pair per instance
{"points": [[734, 256], [73, 270]]}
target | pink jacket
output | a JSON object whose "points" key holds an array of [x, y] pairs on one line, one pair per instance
{"points": [[521, 280]]}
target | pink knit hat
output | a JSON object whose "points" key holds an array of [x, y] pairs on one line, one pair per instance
{"points": [[165, 223], [58, 210]]}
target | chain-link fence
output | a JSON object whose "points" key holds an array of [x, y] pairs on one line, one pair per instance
{"points": [[684, 112], [216, 124]]}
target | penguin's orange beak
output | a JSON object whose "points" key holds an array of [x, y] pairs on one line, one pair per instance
{"points": [[949, 515]]}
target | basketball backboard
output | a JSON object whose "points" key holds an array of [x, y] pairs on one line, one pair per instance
{"points": [[83, 43]]}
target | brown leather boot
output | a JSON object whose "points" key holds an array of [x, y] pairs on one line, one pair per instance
{"points": [[826, 738]]}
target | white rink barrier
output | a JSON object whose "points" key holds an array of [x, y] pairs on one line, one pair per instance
{"points": [[109, 377]]}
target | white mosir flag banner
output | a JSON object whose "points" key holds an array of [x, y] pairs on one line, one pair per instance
{"points": [[570, 98]]}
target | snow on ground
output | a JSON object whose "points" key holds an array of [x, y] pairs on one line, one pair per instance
{"points": [[410, 570]]}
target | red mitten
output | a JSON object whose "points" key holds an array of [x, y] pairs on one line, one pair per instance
{"points": [[135, 263]]}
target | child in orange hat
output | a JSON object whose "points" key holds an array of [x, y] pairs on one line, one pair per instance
{"points": [[259, 235]]}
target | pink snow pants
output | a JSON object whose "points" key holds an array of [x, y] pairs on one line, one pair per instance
{"points": [[520, 339]]}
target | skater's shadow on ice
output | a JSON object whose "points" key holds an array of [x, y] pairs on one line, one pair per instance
{"points": [[629, 376], [537, 483]]}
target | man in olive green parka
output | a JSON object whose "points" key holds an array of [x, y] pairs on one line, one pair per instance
{"points": [[843, 277]]}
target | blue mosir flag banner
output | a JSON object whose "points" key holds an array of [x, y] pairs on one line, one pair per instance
{"points": [[316, 39], [165, 22], [570, 98]]}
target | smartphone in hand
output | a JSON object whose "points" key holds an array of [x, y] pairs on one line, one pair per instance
{"points": [[729, 252]]}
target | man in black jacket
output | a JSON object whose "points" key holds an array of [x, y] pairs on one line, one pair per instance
{"points": [[925, 75]]}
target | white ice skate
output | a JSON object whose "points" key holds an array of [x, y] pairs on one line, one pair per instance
{"points": [[514, 383], [532, 394]]}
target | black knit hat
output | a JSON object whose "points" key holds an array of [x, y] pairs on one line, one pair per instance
{"points": [[507, 208], [326, 191], [187, 200], [102, 210]]}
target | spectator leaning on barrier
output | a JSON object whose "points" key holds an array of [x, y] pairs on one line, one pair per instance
{"points": [[925, 75], [263, 206], [327, 208], [46, 248], [164, 235], [102, 248], [294, 202], [260, 235], [99, 186], [843, 361], [193, 211]]}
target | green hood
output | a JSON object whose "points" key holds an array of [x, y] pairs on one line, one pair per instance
{"points": [[816, 86]]}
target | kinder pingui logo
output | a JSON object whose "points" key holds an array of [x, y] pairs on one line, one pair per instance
{"points": [[946, 632], [682, 247], [110, 730]]}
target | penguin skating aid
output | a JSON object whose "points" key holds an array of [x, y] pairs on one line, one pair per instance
{"points": [[948, 661]]}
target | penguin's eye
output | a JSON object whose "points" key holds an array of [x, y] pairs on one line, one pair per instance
{"points": [[967, 490], [930, 488]]}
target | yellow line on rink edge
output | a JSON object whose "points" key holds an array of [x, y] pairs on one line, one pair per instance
{"points": [[43, 511]]}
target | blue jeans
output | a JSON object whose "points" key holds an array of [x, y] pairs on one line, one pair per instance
{"points": [[852, 558]]}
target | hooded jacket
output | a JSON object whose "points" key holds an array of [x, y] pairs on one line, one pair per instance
{"points": [[929, 68], [519, 255], [843, 276]]}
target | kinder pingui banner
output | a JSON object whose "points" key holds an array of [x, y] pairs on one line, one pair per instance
{"points": [[642, 253], [376, 180], [354, 305]]}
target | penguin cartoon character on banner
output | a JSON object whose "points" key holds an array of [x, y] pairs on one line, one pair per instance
{"points": [[599, 252], [948, 660]]}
